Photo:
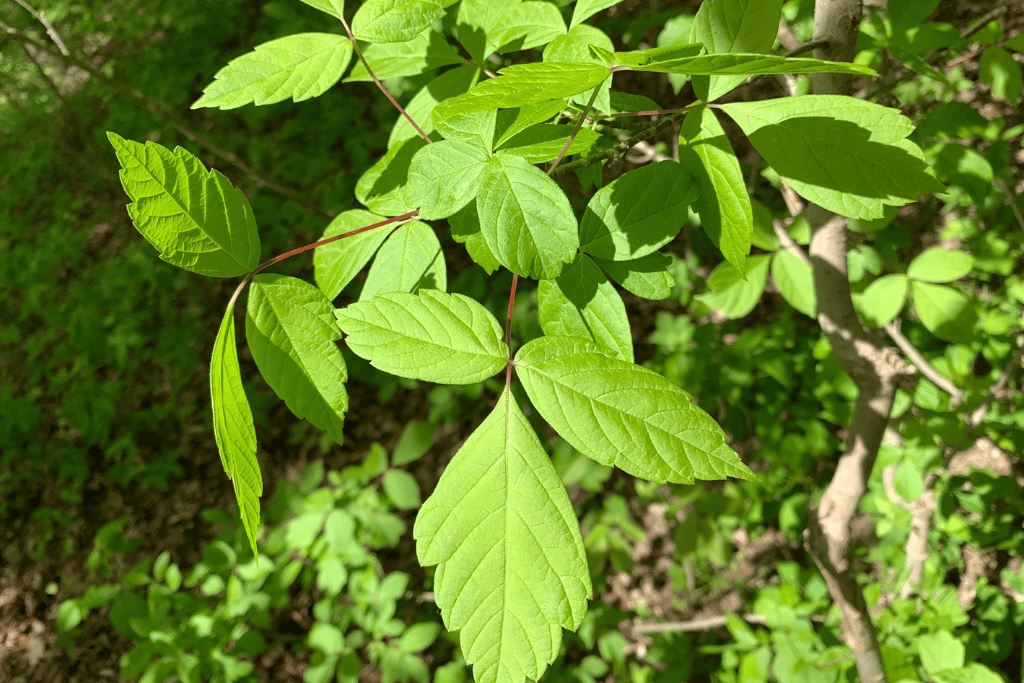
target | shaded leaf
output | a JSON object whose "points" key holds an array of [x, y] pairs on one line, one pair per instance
{"points": [[291, 332], [195, 218], [1000, 71], [844, 154], [544, 142], [731, 26], [511, 566], [646, 276], [731, 293], [411, 259], [301, 66], [795, 281], [335, 264], [883, 299], [637, 213], [722, 200], [946, 313], [623, 415], [381, 188], [433, 336], [582, 303]]}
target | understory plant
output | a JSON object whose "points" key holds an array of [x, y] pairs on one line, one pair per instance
{"points": [[521, 98]]}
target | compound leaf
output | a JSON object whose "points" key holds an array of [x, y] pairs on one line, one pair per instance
{"points": [[233, 428], [646, 276], [722, 200], [623, 415], [511, 565], [335, 264], [731, 26], [445, 176], [637, 213], [291, 331], [195, 218], [427, 51], [394, 21], [582, 303], [409, 260], [301, 66], [432, 335], [523, 84], [525, 218], [844, 154]]}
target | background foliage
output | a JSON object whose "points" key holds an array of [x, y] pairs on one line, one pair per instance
{"points": [[106, 461]]}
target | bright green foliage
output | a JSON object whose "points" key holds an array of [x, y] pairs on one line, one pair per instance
{"points": [[425, 52], [382, 188], [290, 329], [584, 9], [195, 218], [409, 260], [421, 107], [532, 23], [394, 21], [622, 414], [1002, 73], [733, 26], [940, 265], [578, 45], [335, 8], [511, 569], [883, 299], [735, 292], [544, 142], [335, 264], [946, 313], [722, 200], [793, 277], [525, 218], [233, 428], [300, 67], [637, 213], [645, 276], [444, 176], [434, 336], [582, 303], [869, 162], [748, 65]]}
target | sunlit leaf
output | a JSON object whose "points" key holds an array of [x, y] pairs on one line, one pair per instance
{"points": [[445, 176], [511, 566], [731, 26], [394, 21], [621, 414], [731, 293], [300, 66], [335, 264], [195, 218], [946, 313], [883, 299], [795, 281], [940, 265], [425, 52], [409, 260]]}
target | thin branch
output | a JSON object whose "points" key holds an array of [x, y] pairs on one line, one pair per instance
{"points": [[807, 47], [400, 108], [508, 329], [621, 148], [161, 110], [892, 328], [572, 136], [694, 625], [50, 30]]}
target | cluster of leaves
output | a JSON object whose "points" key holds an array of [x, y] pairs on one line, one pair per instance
{"points": [[210, 622]]}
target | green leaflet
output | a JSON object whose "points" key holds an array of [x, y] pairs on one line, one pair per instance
{"points": [[653, 55], [511, 565], [750, 65], [301, 66], [233, 428], [623, 415], [335, 264], [531, 24], [421, 107], [525, 218], [576, 46], [883, 299], [733, 26], [723, 203], [512, 121], [844, 154], [637, 213], [394, 21], [427, 51], [795, 281], [645, 276], [335, 8], [444, 177], [432, 336], [465, 227], [477, 20], [940, 265], [585, 9], [382, 188], [582, 303], [476, 128], [409, 260], [525, 84], [946, 313], [195, 218], [290, 329], [544, 142], [731, 293]]}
